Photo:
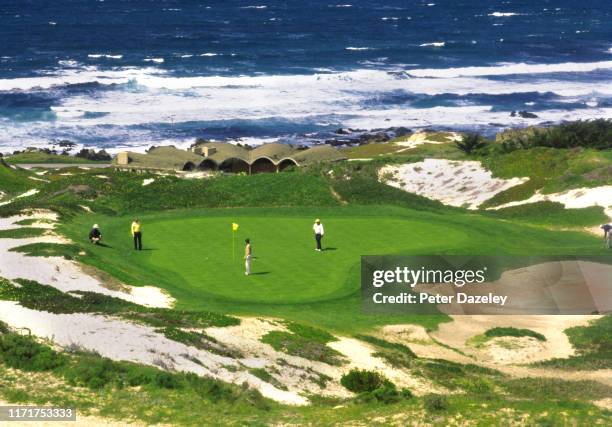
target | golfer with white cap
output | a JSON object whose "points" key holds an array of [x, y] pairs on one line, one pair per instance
{"points": [[94, 235], [319, 232]]}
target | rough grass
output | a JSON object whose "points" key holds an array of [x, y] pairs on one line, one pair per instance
{"points": [[40, 157], [14, 181], [46, 298], [21, 233], [66, 251], [550, 170], [304, 341], [368, 151], [551, 214], [480, 340]]}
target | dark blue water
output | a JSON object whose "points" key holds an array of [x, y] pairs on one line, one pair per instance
{"points": [[132, 73]]}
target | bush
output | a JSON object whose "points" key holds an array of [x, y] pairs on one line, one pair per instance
{"points": [[25, 353], [359, 381], [470, 143], [595, 134], [435, 402]]}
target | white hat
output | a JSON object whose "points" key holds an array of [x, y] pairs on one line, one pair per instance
{"points": [[95, 226]]}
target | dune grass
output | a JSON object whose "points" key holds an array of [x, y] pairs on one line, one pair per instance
{"points": [[41, 158]]}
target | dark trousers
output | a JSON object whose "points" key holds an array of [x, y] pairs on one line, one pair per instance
{"points": [[318, 238], [138, 241]]}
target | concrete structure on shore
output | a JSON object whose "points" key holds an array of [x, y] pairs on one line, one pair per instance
{"points": [[226, 157]]}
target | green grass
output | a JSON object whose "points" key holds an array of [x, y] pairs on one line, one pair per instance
{"points": [[39, 157], [189, 253], [551, 214], [549, 169], [480, 340], [66, 251], [14, 181], [368, 151], [47, 298], [21, 233]]}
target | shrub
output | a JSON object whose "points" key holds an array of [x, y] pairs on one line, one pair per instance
{"points": [[435, 402], [25, 353], [359, 381], [470, 143]]}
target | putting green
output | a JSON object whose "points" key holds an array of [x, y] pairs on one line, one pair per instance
{"points": [[189, 253]]}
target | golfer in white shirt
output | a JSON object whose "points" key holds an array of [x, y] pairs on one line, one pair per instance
{"points": [[319, 232]]}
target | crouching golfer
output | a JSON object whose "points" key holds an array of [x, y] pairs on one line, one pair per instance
{"points": [[137, 234], [318, 232], [607, 229], [94, 235], [248, 256]]}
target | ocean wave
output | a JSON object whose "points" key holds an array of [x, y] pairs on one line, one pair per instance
{"points": [[358, 48], [513, 68], [254, 7], [209, 54], [433, 44], [68, 63], [156, 60], [104, 55], [504, 14]]}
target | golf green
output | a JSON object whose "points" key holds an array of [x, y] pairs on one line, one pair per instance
{"points": [[195, 255]]}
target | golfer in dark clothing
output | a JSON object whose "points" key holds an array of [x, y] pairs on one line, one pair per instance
{"points": [[94, 235], [137, 234]]}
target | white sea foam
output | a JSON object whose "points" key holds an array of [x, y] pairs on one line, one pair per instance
{"points": [[433, 44], [333, 98], [358, 48], [209, 54], [503, 14], [513, 68], [104, 55], [157, 60], [254, 7]]}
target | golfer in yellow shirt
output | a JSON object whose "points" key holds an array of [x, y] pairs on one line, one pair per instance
{"points": [[137, 234]]}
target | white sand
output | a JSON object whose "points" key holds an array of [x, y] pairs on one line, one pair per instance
{"points": [[299, 374], [121, 340], [60, 273], [420, 138], [456, 183], [573, 199], [26, 194]]}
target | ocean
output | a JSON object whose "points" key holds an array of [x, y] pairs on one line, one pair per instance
{"points": [[119, 74]]}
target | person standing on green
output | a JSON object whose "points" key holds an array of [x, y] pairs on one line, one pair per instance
{"points": [[137, 234], [319, 231], [248, 256]]}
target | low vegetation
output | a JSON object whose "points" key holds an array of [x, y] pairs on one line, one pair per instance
{"points": [[504, 332], [304, 341], [46, 298]]}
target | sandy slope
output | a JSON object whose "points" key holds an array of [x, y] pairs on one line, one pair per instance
{"points": [[455, 183], [573, 199], [60, 273]]}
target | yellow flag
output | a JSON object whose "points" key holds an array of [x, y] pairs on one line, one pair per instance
{"points": [[234, 226]]}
